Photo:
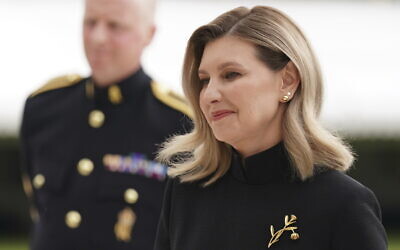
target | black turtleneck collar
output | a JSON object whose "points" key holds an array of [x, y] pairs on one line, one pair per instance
{"points": [[129, 87], [269, 166]]}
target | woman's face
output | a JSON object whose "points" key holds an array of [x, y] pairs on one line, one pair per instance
{"points": [[240, 96]]}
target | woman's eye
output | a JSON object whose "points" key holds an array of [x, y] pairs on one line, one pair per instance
{"points": [[204, 81], [231, 75]]}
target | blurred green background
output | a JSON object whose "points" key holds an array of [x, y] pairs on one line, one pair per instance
{"points": [[377, 166]]}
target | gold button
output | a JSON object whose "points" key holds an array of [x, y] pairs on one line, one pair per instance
{"points": [[114, 94], [73, 78], [73, 219], [85, 166], [38, 181], [131, 196], [96, 118]]}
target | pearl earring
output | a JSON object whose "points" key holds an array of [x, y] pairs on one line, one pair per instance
{"points": [[286, 97]]}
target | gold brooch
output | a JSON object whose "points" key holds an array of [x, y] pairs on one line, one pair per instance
{"points": [[276, 235]]}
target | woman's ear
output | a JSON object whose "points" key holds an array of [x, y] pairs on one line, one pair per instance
{"points": [[290, 79]]}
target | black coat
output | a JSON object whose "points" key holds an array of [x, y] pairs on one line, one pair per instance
{"points": [[112, 199], [332, 211]]}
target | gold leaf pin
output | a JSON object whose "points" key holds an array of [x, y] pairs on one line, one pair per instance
{"points": [[276, 235]]}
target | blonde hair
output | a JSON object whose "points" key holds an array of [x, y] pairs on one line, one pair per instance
{"points": [[197, 155]]}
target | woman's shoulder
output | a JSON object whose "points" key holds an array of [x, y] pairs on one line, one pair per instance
{"points": [[175, 184], [340, 186], [355, 211]]}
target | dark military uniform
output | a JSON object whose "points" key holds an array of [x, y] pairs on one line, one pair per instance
{"points": [[89, 153], [260, 204]]}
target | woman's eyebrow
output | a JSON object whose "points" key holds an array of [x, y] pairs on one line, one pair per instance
{"points": [[226, 64], [221, 66]]}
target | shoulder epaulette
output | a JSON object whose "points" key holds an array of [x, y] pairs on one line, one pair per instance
{"points": [[58, 82], [170, 98]]}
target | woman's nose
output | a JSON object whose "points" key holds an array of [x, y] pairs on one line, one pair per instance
{"points": [[212, 92]]}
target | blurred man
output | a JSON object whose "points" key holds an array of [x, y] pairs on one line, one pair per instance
{"points": [[88, 143]]}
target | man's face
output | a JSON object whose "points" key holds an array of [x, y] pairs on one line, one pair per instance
{"points": [[115, 32]]}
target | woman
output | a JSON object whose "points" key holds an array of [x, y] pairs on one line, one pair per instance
{"points": [[258, 171]]}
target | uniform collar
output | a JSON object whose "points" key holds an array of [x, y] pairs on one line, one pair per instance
{"points": [[119, 92], [269, 166]]}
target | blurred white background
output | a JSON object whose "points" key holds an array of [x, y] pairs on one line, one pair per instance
{"points": [[358, 44]]}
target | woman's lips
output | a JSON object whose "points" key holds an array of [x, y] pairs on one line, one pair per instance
{"points": [[220, 114]]}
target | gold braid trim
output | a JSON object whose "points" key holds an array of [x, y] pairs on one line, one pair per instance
{"points": [[171, 98], [58, 82]]}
